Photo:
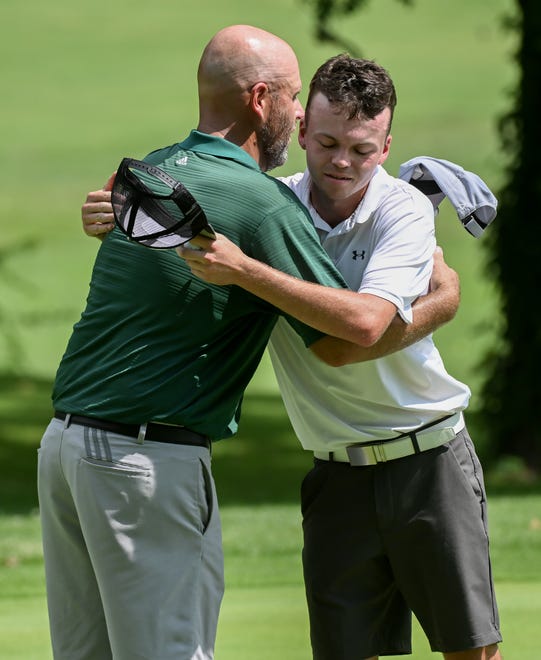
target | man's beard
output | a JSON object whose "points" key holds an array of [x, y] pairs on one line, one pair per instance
{"points": [[274, 137]]}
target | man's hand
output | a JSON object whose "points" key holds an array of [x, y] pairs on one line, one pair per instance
{"points": [[217, 261], [97, 212]]}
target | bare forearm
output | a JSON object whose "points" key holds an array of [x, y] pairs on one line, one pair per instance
{"points": [[429, 313], [354, 321], [347, 315]]}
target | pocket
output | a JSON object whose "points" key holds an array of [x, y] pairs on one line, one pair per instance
{"points": [[464, 453], [116, 467], [312, 486], [207, 496], [122, 483]]}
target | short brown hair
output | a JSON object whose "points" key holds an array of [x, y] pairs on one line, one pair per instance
{"points": [[361, 87]]}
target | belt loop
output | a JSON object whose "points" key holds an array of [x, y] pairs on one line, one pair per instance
{"points": [[142, 433], [415, 442], [67, 420], [331, 457], [379, 453]]}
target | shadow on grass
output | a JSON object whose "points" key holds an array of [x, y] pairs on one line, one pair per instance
{"points": [[504, 475], [264, 463], [25, 410]]}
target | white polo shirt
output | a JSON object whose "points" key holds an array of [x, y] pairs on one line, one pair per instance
{"points": [[385, 248]]}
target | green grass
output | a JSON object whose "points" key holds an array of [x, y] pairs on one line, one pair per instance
{"points": [[87, 83], [264, 613], [258, 477], [91, 82]]}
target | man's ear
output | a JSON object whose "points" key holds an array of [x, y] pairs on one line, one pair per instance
{"points": [[302, 133], [260, 100], [386, 149]]}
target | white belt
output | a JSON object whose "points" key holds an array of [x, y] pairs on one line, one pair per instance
{"points": [[403, 445]]}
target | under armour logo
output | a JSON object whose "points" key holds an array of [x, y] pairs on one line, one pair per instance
{"points": [[356, 254]]}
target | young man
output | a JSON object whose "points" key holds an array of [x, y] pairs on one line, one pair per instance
{"points": [[156, 368], [394, 510]]}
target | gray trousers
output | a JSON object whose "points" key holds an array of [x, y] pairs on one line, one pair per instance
{"points": [[132, 546]]}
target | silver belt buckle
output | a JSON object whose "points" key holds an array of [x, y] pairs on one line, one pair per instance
{"points": [[357, 456]]}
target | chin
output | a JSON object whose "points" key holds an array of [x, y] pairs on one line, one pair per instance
{"points": [[339, 190]]}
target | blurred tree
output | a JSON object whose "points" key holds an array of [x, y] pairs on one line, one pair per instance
{"points": [[512, 389]]}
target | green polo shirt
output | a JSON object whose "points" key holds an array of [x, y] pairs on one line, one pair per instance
{"points": [[156, 343]]}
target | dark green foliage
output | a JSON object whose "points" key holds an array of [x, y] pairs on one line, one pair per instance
{"points": [[512, 392], [326, 10]]}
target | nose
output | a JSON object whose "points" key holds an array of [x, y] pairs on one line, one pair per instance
{"points": [[299, 110], [340, 159]]}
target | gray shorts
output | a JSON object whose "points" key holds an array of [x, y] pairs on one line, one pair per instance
{"points": [[383, 541]]}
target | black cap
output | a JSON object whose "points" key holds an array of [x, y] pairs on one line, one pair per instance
{"points": [[154, 209]]}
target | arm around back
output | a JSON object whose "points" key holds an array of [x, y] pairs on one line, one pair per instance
{"points": [[430, 312], [354, 317]]}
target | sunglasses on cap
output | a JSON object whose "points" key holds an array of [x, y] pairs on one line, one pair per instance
{"points": [[154, 209]]}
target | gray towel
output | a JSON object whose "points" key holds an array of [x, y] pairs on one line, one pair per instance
{"points": [[474, 202]]}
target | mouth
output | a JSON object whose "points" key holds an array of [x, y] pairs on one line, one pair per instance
{"points": [[338, 177]]}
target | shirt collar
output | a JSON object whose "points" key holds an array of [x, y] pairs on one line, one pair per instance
{"points": [[369, 203], [377, 188], [217, 146]]}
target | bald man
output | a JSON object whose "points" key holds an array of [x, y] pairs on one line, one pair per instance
{"points": [[156, 368]]}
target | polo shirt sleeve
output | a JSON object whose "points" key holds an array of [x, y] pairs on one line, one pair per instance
{"points": [[287, 240], [401, 254]]}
